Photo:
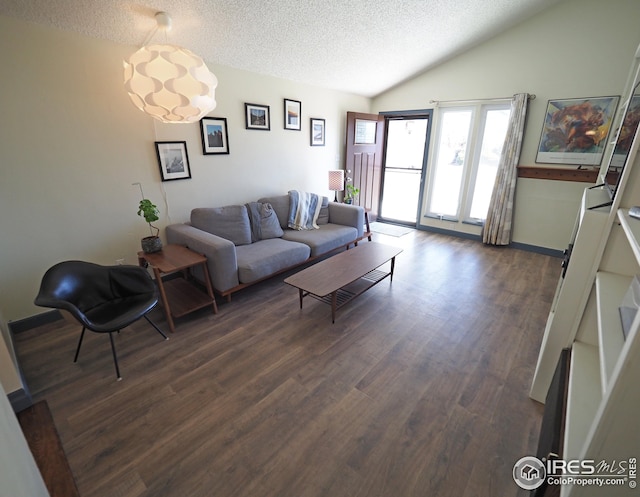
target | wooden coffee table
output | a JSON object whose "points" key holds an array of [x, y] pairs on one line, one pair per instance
{"points": [[179, 296], [341, 278]]}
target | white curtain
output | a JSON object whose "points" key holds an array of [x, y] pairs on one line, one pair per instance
{"points": [[498, 225]]}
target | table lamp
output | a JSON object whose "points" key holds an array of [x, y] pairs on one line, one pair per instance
{"points": [[336, 182]]}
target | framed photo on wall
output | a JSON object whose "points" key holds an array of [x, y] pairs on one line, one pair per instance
{"points": [[575, 130], [257, 116], [292, 114], [173, 160], [215, 139], [317, 132]]}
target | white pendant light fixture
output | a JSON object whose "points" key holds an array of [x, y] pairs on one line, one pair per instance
{"points": [[170, 83]]}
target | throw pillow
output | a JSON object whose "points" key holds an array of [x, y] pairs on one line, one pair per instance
{"points": [[280, 204], [264, 221]]}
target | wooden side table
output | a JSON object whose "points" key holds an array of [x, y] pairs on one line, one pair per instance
{"points": [[179, 296]]}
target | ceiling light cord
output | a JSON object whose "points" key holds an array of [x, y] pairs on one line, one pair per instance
{"points": [[164, 23]]}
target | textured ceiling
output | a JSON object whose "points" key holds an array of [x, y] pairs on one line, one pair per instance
{"points": [[359, 46]]}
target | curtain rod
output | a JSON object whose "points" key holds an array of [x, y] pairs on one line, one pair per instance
{"points": [[531, 97]]}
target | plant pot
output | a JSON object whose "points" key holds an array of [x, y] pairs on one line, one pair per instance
{"points": [[151, 244], [348, 200]]}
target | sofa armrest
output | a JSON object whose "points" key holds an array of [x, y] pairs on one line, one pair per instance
{"points": [[347, 215], [220, 253]]}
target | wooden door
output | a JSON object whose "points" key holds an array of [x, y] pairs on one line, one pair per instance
{"points": [[363, 158]]}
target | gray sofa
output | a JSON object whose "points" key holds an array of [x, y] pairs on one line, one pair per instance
{"points": [[248, 243]]}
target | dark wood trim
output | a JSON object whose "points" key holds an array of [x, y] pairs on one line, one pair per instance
{"points": [[20, 399], [537, 249], [34, 321], [472, 236], [444, 231], [558, 174]]}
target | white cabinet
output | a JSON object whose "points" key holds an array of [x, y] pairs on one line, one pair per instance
{"points": [[573, 288], [602, 421]]}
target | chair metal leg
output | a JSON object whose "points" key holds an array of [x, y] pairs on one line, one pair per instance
{"points": [[75, 359], [115, 357], [157, 329]]}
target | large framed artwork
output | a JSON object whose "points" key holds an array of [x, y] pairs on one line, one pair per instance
{"points": [[173, 160], [575, 130], [215, 139], [257, 116], [292, 114]]}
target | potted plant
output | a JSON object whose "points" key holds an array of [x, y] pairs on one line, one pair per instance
{"points": [[351, 193], [150, 212]]}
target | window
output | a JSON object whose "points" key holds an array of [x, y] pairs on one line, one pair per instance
{"points": [[469, 142]]}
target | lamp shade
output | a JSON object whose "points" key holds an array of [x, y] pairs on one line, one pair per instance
{"points": [[336, 180], [170, 83]]}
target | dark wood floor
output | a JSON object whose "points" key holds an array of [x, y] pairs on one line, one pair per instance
{"points": [[418, 389]]}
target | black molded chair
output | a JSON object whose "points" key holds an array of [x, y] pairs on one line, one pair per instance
{"points": [[103, 299]]}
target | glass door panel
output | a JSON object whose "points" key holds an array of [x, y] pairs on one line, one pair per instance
{"points": [[402, 178], [494, 133], [450, 164]]}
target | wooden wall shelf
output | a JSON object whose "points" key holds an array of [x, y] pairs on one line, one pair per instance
{"points": [[558, 174]]}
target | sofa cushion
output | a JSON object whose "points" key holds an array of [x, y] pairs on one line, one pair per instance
{"points": [[264, 221], [325, 239], [230, 222], [266, 257]]}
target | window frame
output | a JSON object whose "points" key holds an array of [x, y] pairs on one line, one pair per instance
{"points": [[479, 111]]}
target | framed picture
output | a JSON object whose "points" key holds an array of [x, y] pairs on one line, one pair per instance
{"points": [[575, 130], [292, 114], [214, 135], [257, 116], [317, 132], [173, 160]]}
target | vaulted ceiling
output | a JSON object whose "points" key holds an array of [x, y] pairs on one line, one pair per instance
{"points": [[359, 46]]}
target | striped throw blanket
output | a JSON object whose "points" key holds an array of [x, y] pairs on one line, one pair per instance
{"points": [[303, 210]]}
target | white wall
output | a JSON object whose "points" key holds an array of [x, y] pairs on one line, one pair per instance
{"points": [[9, 377], [8, 373], [579, 48], [72, 144], [19, 474]]}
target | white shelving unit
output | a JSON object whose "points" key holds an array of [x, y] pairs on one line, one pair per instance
{"points": [[586, 399], [573, 289], [602, 418]]}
